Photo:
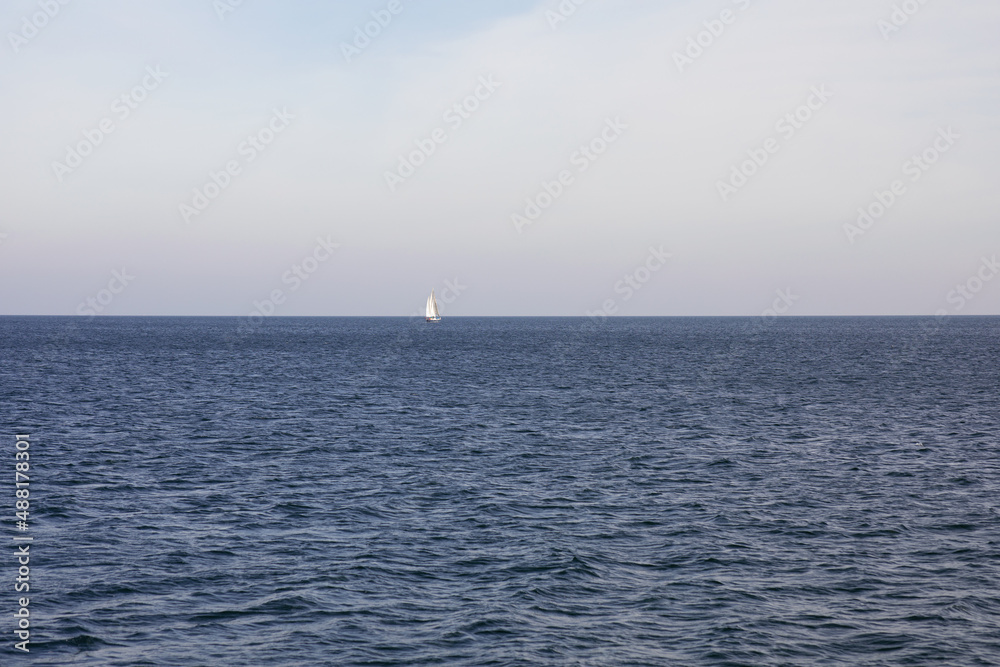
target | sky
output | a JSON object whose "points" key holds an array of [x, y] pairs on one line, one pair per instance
{"points": [[520, 157]]}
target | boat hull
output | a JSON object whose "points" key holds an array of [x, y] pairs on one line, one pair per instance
{"points": [[432, 319]]}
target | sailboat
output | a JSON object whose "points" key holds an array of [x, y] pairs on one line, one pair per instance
{"points": [[432, 309]]}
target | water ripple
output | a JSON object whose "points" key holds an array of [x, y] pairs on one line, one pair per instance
{"points": [[510, 491]]}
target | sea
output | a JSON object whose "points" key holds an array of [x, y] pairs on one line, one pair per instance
{"points": [[502, 491]]}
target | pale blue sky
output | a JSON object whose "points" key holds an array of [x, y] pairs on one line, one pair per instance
{"points": [[682, 127]]}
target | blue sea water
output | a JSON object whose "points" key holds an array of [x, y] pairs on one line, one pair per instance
{"points": [[504, 491]]}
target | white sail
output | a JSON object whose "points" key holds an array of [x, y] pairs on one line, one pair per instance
{"points": [[432, 308]]}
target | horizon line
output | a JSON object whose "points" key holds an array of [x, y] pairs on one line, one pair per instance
{"points": [[470, 317]]}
